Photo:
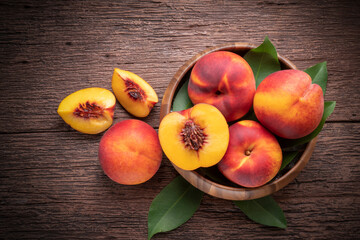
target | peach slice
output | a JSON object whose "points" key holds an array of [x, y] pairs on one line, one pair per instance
{"points": [[90, 110], [195, 137], [253, 156], [130, 152], [133, 93], [288, 104]]}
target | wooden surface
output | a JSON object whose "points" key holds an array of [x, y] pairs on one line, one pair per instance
{"points": [[52, 186]]}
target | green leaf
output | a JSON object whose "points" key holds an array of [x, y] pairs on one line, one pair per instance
{"points": [[173, 206], [264, 211], [263, 60], [287, 158], [182, 100], [329, 107], [319, 75]]}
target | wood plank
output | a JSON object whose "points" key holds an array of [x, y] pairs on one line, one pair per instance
{"points": [[51, 49], [52, 184]]}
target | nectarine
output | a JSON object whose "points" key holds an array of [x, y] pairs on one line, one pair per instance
{"points": [[288, 104], [195, 137], [253, 156], [130, 152], [224, 80]]}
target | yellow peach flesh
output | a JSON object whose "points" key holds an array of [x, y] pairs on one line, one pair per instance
{"points": [[133, 93], [214, 128], [89, 110]]}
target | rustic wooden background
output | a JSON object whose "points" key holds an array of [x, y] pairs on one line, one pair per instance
{"points": [[52, 186]]}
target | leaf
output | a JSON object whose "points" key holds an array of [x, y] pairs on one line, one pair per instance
{"points": [[319, 75], [173, 206], [287, 158], [264, 211], [182, 100], [263, 60], [329, 107]]}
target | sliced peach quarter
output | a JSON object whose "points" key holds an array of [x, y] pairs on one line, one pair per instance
{"points": [[196, 137], [90, 110], [133, 93]]}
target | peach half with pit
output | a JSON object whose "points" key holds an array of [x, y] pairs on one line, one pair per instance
{"points": [[288, 104], [195, 137], [130, 152], [225, 80], [89, 110], [133, 93], [253, 156]]}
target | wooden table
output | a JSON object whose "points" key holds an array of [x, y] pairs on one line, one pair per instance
{"points": [[52, 186]]}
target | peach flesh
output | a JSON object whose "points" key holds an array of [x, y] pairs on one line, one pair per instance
{"points": [[133, 93], [89, 110], [195, 137]]}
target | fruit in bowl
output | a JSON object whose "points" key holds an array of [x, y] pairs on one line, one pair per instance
{"points": [[195, 137], [207, 179], [225, 80], [288, 104], [253, 156]]}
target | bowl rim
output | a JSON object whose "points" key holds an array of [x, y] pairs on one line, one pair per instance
{"points": [[213, 188]]}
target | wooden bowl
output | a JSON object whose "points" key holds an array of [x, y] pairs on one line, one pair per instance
{"points": [[206, 185]]}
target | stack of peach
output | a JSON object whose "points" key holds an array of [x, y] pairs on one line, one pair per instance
{"points": [[223, 90]]}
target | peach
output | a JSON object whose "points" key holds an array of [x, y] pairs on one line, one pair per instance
{"points": [[90, 110], [288, 104], [253, 156], [224, 80], [130, 152], [133, 93], [195, 137]]}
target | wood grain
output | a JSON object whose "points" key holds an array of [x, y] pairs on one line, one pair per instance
{"points": [[47, 190], [52, 186], [77, 45]]}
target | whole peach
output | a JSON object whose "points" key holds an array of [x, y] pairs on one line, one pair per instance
{"points": [[224, 80], [130, 152], [253, 156], [288, 104]]}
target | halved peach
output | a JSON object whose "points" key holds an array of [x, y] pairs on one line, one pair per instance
{"points": [[90, 110], [195, 137], [133, 93]]}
